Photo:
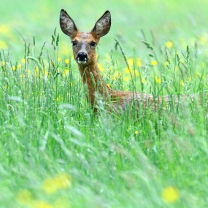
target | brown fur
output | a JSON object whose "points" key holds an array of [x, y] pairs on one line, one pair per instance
{"points": [[90, 72]]}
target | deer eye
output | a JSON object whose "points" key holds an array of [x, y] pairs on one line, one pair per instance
{"points": [[74, 43], [93, 44]]}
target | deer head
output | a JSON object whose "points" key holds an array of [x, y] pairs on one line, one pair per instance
{"points": [[84, 43]]}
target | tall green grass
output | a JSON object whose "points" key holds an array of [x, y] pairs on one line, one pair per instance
{"points": [[56, 153], [48, 128]]}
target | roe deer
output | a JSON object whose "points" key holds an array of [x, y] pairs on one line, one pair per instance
{"points": [[84, 49]]}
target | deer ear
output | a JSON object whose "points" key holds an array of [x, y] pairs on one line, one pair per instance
{"points": [[67, 24], [102, 26]]}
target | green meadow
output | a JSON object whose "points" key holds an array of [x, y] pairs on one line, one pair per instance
{"points": [[56, 153]]}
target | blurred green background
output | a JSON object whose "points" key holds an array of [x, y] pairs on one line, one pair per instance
{"points": [[183, 22]]}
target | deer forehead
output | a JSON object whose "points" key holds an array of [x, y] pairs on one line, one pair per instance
{"points": [[85, 37]]}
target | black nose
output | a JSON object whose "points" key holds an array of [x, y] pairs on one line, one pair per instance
{"points": [[82, 56]]}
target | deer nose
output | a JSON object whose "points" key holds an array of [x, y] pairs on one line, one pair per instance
{"points": [[82, 57]]}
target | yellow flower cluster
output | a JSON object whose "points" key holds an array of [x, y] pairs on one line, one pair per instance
{"points": [[50, 186], [43, 73], [170, 194], [134, 62], [53, 184], [23, 60]]}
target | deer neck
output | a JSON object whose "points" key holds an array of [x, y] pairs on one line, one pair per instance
{"points": [[94, 82]]}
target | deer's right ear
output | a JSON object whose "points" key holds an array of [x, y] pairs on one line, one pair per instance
{"points": [[67, 24]]}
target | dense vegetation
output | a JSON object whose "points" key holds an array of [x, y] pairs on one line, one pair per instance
{"points": [[56, 153]]}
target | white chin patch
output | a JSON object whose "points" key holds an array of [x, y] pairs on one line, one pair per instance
{"points": [[81, 62]]}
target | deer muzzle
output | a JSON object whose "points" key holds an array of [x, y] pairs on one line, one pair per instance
{"points": [[82, 58]]}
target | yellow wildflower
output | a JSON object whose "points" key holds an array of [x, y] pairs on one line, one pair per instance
{"points": [[19, 66], [36, 70], [63, 181], [3, 63], [144, 80], [136, 132], [176, 68], [59, 59], [23, 61], [49, 186], [126, 79], [100, 66], [4, 29], [67, 61], [3, 44], [24, 197], [58, 98], [130, 61], [198, 74], [202, 65], [13, 68], [128, 70], [108, 85], [45, 73], [137, 73], [53, 184], [154, 63], [182, 83], [203, 39], [66, 72], [170, 194], [137, 62], [169, 44], [158, 80]]}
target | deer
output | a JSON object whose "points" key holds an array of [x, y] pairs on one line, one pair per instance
{"points": [[84, 50]]}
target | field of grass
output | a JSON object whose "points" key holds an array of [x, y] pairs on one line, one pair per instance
{"points": [[55, 153]]}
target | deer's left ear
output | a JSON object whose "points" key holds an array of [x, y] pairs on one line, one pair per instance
{"points": [[102, 26]]}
